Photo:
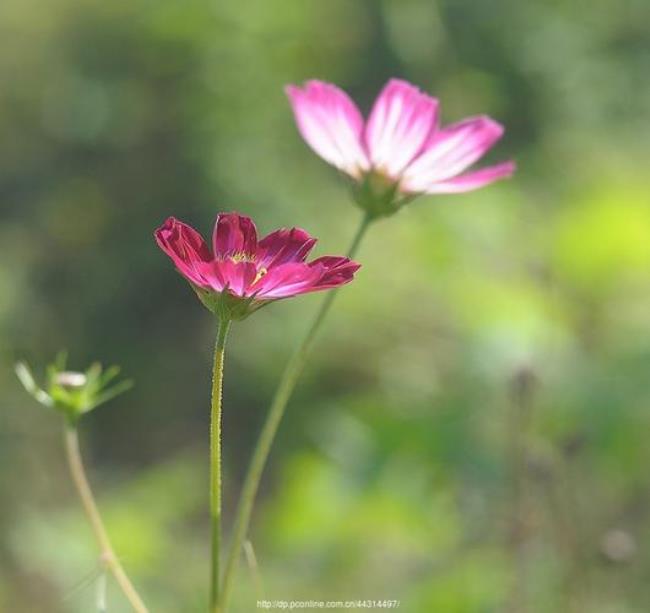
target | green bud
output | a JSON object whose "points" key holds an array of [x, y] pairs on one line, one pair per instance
{"points": [[73, 393]]}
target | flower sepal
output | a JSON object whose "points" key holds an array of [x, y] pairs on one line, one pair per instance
{"points": [[226, 306], [378, 195], [73, 393]]}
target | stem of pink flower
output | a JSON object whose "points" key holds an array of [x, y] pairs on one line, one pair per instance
{"points": [[107, 555], [279, 403], [215, 458]]}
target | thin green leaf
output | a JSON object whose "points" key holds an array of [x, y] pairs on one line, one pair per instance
{"points": [[109, 374], [25, 376], [111, 393]]}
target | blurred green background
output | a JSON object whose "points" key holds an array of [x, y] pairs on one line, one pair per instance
{"points": [[471, 434]]}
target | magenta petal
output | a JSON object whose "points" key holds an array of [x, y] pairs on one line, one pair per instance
{"points": [[473, 180], [400, 122], [450, 151], [335, 271], [298, 278], [284, 246], [286, 280], [185, 247], [331, 124], [237, 276], [234, 234], [212, 275]]}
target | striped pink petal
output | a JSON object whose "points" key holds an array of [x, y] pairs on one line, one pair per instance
{"points": [[400, 122], [331, 124], [450, 151], [473, 180]]}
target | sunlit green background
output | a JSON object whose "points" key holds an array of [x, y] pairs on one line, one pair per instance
{"points": [[472, 434]]}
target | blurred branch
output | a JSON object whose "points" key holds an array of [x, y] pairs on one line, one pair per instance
{"points": [[254, 568], [522, 393], [107, 555], [574, 524], [101, 594]]}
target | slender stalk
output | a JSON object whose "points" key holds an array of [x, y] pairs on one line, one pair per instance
{"points": [[254, 568], [215, 459], [107, 555], [101, 593], [279, 403]]}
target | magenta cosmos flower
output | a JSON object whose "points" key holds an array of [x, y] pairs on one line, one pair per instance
{"points": [[242, 274], [400, 150]]}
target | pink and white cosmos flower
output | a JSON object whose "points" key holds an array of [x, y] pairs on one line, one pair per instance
{"points": [[401, 141], [248, 272]]}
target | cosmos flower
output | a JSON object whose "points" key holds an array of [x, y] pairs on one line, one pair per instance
{"points": [[241, 274], [400, 150]]}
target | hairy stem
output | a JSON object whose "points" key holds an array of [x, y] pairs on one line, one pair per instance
{"points": [[215, 459], [107, 555], [279, 403]]}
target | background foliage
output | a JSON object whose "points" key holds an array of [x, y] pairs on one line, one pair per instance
{"points": [[472, 433]]}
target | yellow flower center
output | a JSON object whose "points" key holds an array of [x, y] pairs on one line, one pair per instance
{"points": [[241, 256]]}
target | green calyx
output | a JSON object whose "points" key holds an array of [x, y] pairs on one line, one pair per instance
{"points": [[226, 306], [379, 195], [73, 393]]}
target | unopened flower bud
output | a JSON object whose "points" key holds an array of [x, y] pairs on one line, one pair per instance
{"points": [[70, 379], [72, 393]]}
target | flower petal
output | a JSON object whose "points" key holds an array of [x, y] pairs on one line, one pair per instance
{"points": [[473, 180], [185, 246], [400, 122], [295, 278], [331, 124], [335, 271], [286, 280], [236, 277], [284, 246], [450, 151], [212, 275], [234, 234]]}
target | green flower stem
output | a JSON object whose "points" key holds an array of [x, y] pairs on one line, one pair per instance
{"points": [[215, 458], [282, 396], [107, 555]]}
